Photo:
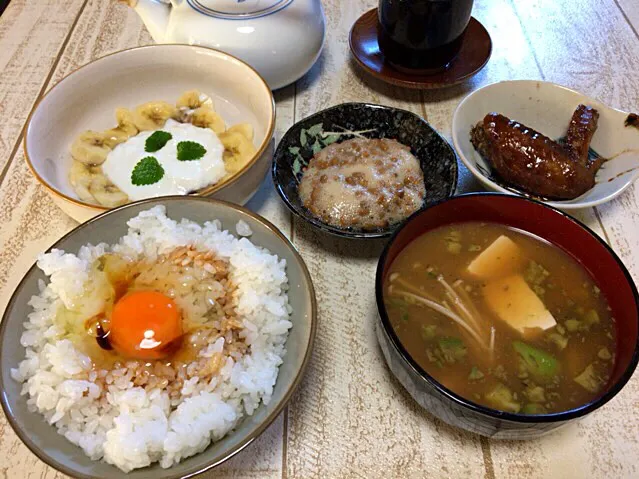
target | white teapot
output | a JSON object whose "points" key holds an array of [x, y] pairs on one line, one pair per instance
{"points": [[281, 39]]}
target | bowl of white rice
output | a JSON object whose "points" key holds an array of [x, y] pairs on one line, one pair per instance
{"points": [[232, 320]]}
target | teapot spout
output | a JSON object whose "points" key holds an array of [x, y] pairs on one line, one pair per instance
{"points": [[154, 14]]}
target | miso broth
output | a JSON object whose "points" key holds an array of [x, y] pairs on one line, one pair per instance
{"points": [[523, 329]]}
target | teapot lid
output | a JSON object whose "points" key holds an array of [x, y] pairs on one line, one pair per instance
{"points": [[238, 9]]}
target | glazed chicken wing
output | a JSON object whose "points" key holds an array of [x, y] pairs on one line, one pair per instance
{"points": [[533, 162], [583, 125]]}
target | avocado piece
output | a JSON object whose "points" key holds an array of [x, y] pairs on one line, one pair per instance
{"points": [[453, 349], [502, 398], [535, 393], [539, 364], [589, 379], [532, 408]]}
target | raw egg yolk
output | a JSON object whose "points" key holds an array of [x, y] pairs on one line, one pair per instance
{"points": [[144, 324]]}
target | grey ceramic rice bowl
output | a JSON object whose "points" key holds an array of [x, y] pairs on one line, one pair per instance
{"points": [[52, 448]]}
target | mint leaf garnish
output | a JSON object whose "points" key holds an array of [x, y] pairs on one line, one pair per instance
{"points": [[189, 151], [157, 141], [147, 171]]}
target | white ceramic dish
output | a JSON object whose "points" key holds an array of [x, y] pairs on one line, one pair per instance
{"points": [[87, 99], [281, 39], [547, 108]]}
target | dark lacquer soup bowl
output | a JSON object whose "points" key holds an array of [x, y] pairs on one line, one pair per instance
{"points": [[546, 223]]}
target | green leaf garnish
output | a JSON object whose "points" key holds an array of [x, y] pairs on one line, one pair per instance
{"points": [[157, 141], [315, 129], [298, 163], [147, 171], [397, 303], [330, 139], [189, 151], [453, 349], [475, 374], [316, 147], [534, 408], [428, 331]]}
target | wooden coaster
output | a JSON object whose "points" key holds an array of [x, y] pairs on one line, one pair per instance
{"points": [[474, 54]]}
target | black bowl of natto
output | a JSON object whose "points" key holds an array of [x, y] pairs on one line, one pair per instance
{"points": [[297, 147]]}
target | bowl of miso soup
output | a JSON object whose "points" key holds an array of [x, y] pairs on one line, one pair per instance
{"points": [[504, 316]]}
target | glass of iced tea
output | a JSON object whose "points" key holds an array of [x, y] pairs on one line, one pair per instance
{"points": [[422, 35]]}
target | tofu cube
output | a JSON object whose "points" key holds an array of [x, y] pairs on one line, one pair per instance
{"points": [[502, 258], [515, 303]]}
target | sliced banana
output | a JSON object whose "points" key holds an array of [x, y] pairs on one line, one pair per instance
{"points": [[106, 193], [152, 115], [183, 115], [89, 148], [193, 99], [126, 129], [91, 185], [238, 150], [80, 177], [205, 117], [245, 129]]}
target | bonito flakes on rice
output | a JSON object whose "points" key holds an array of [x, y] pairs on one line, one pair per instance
{"points": [[188, 381]]}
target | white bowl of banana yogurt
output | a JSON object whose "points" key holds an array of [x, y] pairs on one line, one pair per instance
{"points": [[152, 121]]}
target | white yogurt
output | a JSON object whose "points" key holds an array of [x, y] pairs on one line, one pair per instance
{"points": [[180, 177]]}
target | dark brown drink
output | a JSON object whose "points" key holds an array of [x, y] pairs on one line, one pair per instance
{"points": [[422, 35]]}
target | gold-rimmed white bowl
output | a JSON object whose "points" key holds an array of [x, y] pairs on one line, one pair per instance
{"points": [[87, 99]]}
